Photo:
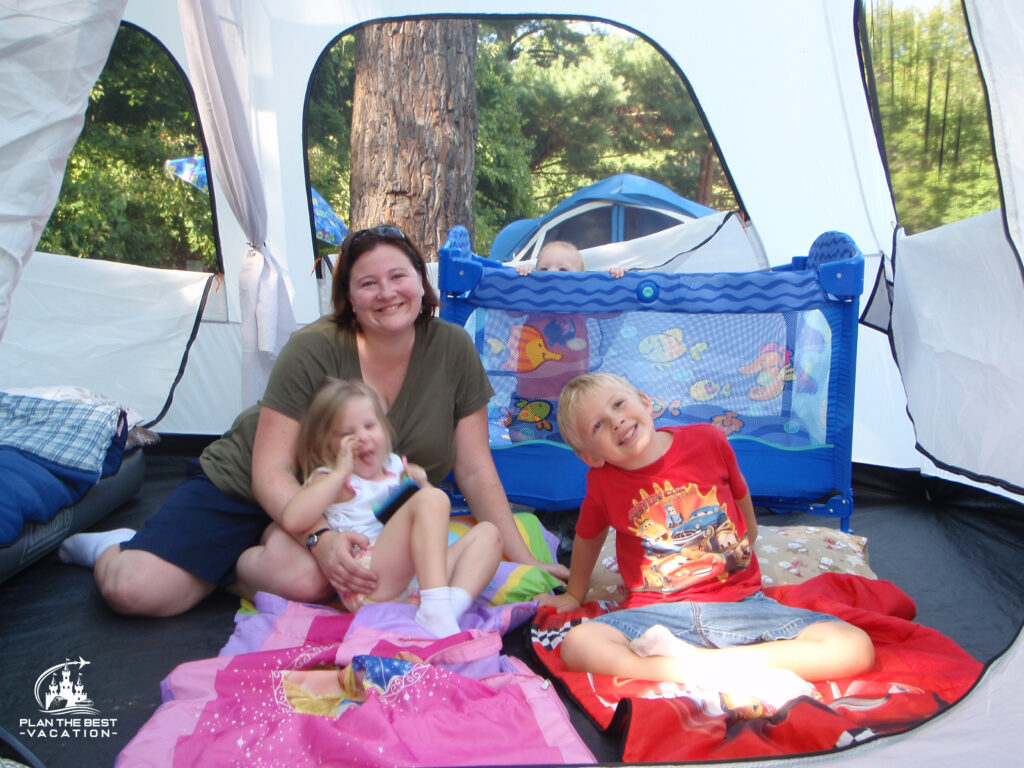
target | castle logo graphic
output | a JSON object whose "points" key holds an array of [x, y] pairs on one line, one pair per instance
{"points": [[68, 712], [61, 691]]}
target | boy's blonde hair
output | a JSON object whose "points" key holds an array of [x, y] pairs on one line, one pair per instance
{"points": [[312, 447], [573, 392], [567, 246]]}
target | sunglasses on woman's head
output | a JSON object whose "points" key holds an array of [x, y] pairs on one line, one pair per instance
{"points": [[386, 231]]}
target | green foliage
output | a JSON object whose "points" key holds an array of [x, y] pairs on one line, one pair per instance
{"points": [[503, 179], [659, 133], [118, 202], [328, 128], [560, 105], [543, 41], [933, 113], [563, 104]]}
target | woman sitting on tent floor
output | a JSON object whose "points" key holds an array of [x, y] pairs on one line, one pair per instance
{"points": [[433, 386]]}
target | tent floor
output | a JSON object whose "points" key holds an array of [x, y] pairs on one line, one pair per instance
{"points": [[955, 551]]}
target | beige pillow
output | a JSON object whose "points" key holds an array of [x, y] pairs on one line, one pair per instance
{"points": [[787, 554], [790, 554], [605, 581]]}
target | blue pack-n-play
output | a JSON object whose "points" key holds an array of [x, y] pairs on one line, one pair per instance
{"points": [[767, 356]]}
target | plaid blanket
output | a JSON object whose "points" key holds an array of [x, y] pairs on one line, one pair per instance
{"points": [[71, 434]]}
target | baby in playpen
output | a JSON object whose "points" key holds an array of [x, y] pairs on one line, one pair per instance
{"points": [[353, 481], [685, 526], [550, 349]]}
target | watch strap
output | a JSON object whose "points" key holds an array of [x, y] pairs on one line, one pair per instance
{"points": [[314, 537]]}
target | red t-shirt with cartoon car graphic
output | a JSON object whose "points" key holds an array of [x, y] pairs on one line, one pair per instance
{"points": [[680, 534]]}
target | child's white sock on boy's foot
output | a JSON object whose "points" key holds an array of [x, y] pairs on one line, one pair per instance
{"points": [[773, 686], [461, 600], [85, 548], [435, 613], [659, 641]]}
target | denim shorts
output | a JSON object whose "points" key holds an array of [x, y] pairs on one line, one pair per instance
{"points": [[754, 619]]}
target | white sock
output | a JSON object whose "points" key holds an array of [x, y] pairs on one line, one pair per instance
{"points": [[85, 548], [773, 686], [461, 600], [435, 613], [659, 641]]}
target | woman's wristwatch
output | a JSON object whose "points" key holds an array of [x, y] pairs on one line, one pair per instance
{"points": [[314, 537]]}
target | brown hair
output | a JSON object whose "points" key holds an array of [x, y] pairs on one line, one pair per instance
{"points": [[573, 392], [355, 245], [312, 448]]}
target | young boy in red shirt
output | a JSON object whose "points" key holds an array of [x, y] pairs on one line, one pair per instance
{"points": [[685, 529]]}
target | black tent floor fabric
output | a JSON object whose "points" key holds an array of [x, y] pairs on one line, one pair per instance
{"points": [[956, 551]]}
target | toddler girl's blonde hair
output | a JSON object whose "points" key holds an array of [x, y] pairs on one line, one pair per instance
{"points": [[573, 392], [313, 446]]}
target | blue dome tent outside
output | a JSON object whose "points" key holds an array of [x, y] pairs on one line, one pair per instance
{"points": [[624, 189]]}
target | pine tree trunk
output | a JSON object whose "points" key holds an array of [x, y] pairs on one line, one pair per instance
{"points": [[414, 128], [945, 114], [706, 176], [928, 112]]}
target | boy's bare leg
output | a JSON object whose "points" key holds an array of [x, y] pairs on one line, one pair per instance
{"points": [[597, 647], [601, 649], [822, 651]]}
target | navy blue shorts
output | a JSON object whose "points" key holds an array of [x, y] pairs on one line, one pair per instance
{"points": [[201, 529]]}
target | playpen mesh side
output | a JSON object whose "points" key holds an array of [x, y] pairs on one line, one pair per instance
{"points": [[760, 376]]}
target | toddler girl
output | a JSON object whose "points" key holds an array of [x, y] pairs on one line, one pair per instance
{"points": [[352, 479]]}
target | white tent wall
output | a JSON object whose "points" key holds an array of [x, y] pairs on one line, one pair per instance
{"points": [[959, 364], [958, 299], [716, 243], [161, 20], [209, 395], [740, 78], [139, 321], [281, 54], [50, 55]]}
